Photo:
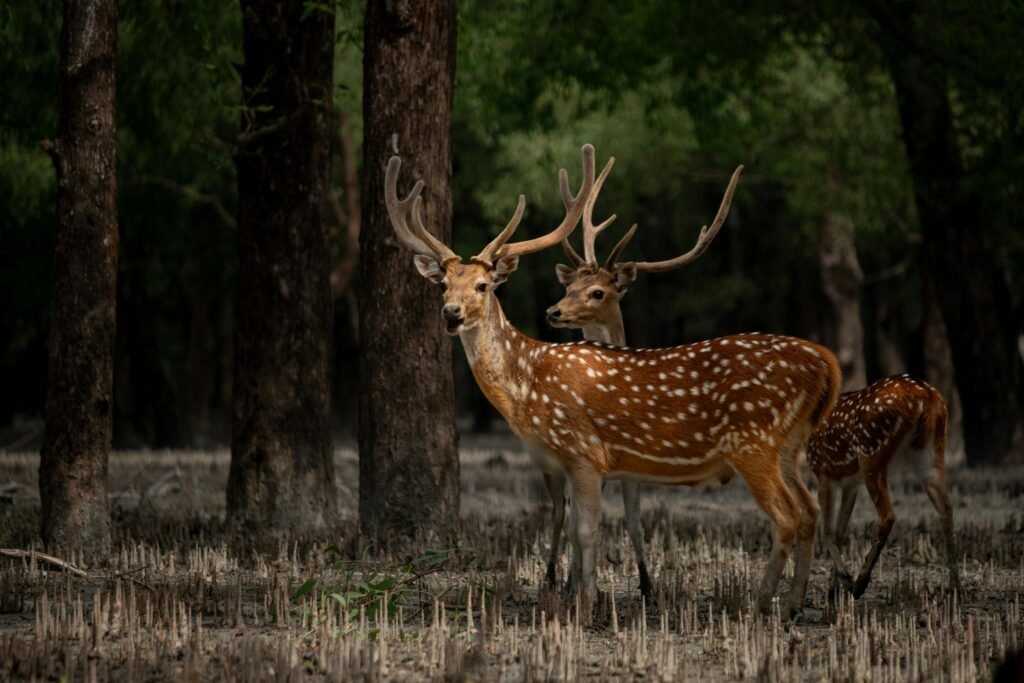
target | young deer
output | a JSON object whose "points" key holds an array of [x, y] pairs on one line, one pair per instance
{"points": [[591, 302], [869, 430], [746, 403]]}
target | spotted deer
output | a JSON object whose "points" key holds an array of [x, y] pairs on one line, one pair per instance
{"points": [[554, 478], [895, 419], [591, 303], [675, 415]]}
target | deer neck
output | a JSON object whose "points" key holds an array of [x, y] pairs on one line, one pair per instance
{"points": [[610, 332], [499, 356]]}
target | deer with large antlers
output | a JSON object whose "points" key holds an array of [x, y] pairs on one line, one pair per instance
{"points": [[555, 480], [895, 419], [677, 415], [592, 303]]}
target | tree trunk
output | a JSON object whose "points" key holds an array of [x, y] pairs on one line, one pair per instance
{"points": [[887, 333], [971, 290], [938, 371], [76, 445], [841, 279], [282, 474], [408, 445]]}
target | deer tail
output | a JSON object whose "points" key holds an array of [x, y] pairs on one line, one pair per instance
{"points": [[932, 424], [830, 389]]}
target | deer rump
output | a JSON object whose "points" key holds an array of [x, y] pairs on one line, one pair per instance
{"points": [[682, 415], [889, 419]]}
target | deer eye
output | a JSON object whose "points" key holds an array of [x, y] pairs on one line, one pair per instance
{"points": [[481, 287], [597, 294], [444, 287]]}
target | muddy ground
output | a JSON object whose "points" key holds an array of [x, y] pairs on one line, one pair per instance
{"points": [[181, 600]]}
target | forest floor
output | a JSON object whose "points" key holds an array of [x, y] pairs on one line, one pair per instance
{"points": [[182, 600]]}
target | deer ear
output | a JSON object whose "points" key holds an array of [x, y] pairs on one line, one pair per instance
{"points": [[429, 268], [565, 274], [504, 267], [625, 276]]}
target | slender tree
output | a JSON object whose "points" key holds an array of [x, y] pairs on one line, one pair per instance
{"points": [[282, 475], [972, 291], [841, 278], [408, 446], [76, 445]]}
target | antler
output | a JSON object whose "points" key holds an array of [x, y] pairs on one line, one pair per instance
{"points": [[574, 209], [418, 239], [707, 234], [617, 251], [590, 231]]}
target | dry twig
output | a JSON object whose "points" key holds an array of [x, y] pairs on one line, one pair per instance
{"points": [[17, 552]]}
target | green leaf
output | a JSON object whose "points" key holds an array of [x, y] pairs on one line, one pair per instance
{"points": [[304, 589]]}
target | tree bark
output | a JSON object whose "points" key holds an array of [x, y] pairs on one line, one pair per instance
{"points": [[408, 445], [76, 444], [282, 473], [841, 279], [938, 371], [971, 290]]}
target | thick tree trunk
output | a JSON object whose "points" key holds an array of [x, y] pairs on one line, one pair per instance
{"points": [[73, 468], [841, 279], [282, 474], [408, 446], [971, 290]]}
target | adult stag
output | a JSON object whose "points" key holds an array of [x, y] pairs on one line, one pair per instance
{"points": [[592, 303]]}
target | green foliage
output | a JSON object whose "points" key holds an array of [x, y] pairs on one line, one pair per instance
{"points": [[679, 93], [366, 587]]}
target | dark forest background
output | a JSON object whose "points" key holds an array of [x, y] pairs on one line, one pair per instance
{"points": [[849, 117]]}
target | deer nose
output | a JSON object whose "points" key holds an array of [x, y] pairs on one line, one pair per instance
{"points": [[451, 312], [554, 313]]}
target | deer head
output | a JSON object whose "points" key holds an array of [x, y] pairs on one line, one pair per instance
{"points": [[468, 287], [593, 292]]}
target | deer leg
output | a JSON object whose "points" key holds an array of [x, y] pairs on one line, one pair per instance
{"points": [[933, 479], [840, 574], [804, 551], [586, 513], [572, 581], [878, 490], [771, 493], [631, 502], [847, 501], [849, 498], [555, 483]]}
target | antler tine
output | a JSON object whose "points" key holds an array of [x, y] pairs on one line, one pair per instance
{"points": [[590, 231], [617, 251], [440, 249], [707, 234], [398, 209], [418, 238], [568, 224], [576, 259], [495, 244]]}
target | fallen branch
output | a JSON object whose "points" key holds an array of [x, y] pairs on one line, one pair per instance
{"points": [[34, 554]]}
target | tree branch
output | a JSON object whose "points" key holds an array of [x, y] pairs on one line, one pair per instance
{"points": [[189, 192]]}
